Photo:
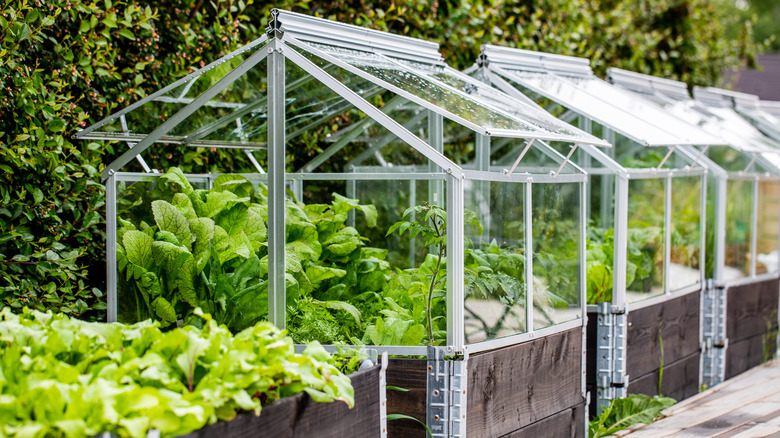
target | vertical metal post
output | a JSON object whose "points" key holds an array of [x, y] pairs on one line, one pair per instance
{"points": [[703, 230], [586, 125], [455, 255], [412, 202], [111, 274], [667, 231], [621, 243], [754, 230], [351, 193], [529, 257], [608, 183], [721, 188], [276, 170], [583, 286]]}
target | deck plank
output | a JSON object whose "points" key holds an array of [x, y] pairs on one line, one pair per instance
{"points": [[745, 406]]}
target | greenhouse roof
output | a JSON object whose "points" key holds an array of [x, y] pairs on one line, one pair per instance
{"points": [[570, 82], [747, 105], [225, 104], [712, 112]]}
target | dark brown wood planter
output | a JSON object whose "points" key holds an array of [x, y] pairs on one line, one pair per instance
{"points": [[300, 416], [751, 325], [527, 390], [663, 336]]}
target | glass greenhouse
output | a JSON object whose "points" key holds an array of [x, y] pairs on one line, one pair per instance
{"points": [[646, 193], [425, 211]]}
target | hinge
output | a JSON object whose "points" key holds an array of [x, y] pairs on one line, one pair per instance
{"points": [[714, 341], [482, 60]]}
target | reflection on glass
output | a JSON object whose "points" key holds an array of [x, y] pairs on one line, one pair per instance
{"points": [[685, 251], [645, 255], [767, 230], [556, 233], [739, 212], [494, 260]]}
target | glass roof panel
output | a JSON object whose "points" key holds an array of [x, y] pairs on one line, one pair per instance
{"points": [[600, 108], [766, 122], [486, 93], [451, 102], [141, 118]]}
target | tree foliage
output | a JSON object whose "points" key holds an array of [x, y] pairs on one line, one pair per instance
{"points": [[65, 64]]}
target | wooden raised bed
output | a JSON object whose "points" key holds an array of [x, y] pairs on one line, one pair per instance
{"points": [[300, 416], [751, 325], [675, 324], [526, 390]]}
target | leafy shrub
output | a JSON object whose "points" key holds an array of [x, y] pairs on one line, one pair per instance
{"points": [[67, 378]]}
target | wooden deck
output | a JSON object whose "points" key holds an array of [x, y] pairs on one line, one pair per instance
{"points": [[747, 406]]}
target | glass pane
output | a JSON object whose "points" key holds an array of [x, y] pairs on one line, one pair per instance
{"points": [[685, 252], [728, 158], [644, 272], [739, 211], [352, 277], [570, 95], [495, 260], [181, 245], [150, 115], [556, 235], [421, 86], [766, 243]]}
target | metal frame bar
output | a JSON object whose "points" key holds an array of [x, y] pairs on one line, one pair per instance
{"points": [[478, 175], [276, 186], [112, 274], [529, 257], [754, 229], [621, 242], [456, 293], [185, 112], [667, 231]]}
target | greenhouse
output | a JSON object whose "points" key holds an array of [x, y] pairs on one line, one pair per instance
{"points": [[436, 222], [743, 216], [646, 232]]}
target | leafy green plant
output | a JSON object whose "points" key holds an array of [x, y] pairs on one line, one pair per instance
{"points": [[625, 412], [67, 378]]}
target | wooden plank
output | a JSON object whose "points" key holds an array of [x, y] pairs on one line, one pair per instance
{"points": [[753, 387], [748, 353], [756, 427], [300, 416], [408, 374], [516, 386], [566, 424], [674, 323], [727, 422], [680, 380], [751, 309]]}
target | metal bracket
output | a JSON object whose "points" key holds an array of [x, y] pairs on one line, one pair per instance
{"points": [[482, 60], [383, 396], [714, 341], [274, 29], [446, 404], [611, 377]]}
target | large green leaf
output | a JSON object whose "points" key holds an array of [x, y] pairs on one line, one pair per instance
{"points": [[138, 248], [170, 219]]}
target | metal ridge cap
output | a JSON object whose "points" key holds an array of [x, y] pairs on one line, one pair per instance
{"points": [[320, 30], [514, 59], [647, 83], [723, 97]]}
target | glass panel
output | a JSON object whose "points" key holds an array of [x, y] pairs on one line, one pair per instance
{"points": [[768, 227], [685, 252], [538, 159], [182, 246], [573, 97], [644, 110], [644, 273], [600, 238], [556, 234], [495, 261], [352, 277], [739, 210], [728, 158], [420, 86], [151, 114]]}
